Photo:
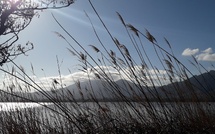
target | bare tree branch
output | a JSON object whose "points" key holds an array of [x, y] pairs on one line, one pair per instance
{"points": [[15, 16]]}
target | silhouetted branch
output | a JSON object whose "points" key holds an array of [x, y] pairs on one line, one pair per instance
{"points": [[15, 16]]}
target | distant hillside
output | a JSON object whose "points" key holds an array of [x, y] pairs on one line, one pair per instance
{"points": [[200, 87], [206, 81], [203, 86]]}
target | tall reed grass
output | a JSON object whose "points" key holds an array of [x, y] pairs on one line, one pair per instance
{"points": [[145, 104]]}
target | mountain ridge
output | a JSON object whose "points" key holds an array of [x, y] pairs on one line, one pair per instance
{"points": [[202, 85]]}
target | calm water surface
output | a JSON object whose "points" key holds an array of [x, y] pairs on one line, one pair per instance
{"points": [[5, 106], [111, 106]]}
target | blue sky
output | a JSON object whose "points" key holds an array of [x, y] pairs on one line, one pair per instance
{"points": [[188, 25]]}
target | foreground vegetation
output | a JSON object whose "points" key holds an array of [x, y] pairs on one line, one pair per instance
{"points": [[117, 117], [106, 118]]}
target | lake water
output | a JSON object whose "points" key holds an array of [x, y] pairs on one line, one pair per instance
{"points": [[114, 107], [6, 106]]}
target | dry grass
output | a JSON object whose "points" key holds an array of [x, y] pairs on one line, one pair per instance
{"points": [[148, 105]]}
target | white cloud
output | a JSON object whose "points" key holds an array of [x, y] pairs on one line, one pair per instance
{"points": [[153, 72], [189, 52], [47, 82], [205, 55], [208, 50]]}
